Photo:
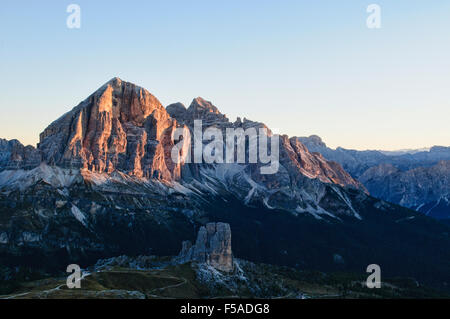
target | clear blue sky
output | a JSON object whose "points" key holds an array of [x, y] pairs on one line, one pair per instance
{"points": [[302, 67]]}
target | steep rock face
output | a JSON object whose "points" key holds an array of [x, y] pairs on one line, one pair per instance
{"points": [[178, 111], [357, 162], [302, 183], [354, 162], [116, 147], [314, 165], [416, 179], [199, 109], [213, 247], [293, 153], [123, 129], [14, 155], [119, 127], [426, 189]]}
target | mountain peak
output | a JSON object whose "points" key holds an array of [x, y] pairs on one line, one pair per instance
{"points": [[200, 105], [177, 111], [200, 109], [114, 82], [115, 79], [313, 140], [120, 126], [118, 84], [125, 100]]}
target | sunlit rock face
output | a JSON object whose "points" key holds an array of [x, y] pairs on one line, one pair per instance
{"points": [[102, 179], [119, 127], [101, 183], [123, 129], [213, 247]]}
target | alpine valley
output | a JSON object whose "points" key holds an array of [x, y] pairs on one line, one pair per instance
{"points": [[101, 183]]}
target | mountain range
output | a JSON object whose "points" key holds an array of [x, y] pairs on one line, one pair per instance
{"points": [[102, 182], [417, 179]]}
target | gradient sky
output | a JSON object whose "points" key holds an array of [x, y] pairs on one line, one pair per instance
{"points": [[301, 67]]}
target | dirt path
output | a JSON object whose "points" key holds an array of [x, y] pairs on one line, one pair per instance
{"points": [[167, 287], [84, 275]]}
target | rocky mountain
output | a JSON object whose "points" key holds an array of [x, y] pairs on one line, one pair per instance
{"points": [[13, 155], [416, 179], [103, 182], [425, 189], [357, 162], [121, 127]]}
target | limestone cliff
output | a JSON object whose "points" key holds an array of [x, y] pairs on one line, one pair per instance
{"points": [[213, 247], [119, 127], [123, 130]]}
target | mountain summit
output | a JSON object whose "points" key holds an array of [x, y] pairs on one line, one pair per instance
{"points": [[123, 128], [120, 127]]}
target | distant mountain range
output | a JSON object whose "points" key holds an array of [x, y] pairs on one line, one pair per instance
{"points": [[102, 182], [406, 151], [417, 179]]}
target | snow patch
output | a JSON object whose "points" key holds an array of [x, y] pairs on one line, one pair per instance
{"points": [[78, 214], [4, 238], [54, 176], [434, 206], [347, 201]]}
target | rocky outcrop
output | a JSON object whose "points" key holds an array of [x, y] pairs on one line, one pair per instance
{"points": [[199, 109], [178, 111], [14, 155], [314, 165], [213, 247]]}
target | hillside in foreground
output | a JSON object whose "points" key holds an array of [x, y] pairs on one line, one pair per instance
{"points": [[120, 278]]}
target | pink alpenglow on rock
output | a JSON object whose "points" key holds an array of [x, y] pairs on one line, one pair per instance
{"points": [[120, 127]]}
